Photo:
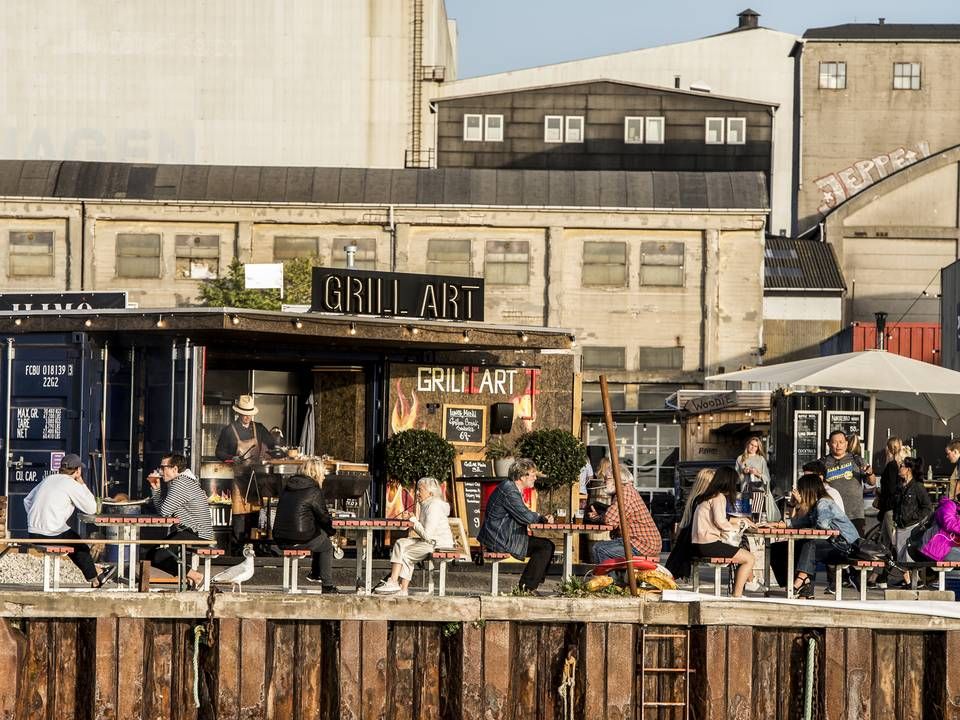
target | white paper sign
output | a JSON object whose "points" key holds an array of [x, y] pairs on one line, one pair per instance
{"points": [[263, 276]]}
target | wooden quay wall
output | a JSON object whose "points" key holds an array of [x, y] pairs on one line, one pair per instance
{"points": [[116, 656]]}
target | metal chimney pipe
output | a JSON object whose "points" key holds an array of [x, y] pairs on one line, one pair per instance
{"points": [[881, 330], [351, 251]]}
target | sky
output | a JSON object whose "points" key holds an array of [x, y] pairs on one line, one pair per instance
{"points": [[499, 35]]}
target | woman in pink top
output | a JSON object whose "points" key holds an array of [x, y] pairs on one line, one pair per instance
{"points": [[713, 533]]}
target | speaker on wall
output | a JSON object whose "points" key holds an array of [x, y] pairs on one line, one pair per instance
{"points": [[501, 417]]}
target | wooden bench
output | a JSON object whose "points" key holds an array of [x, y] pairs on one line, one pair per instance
{"points": [[940, 568], [442, 557], [717, 563], [864, 566], [56, 552], [291, 568], [495, 558], [207, 553]]}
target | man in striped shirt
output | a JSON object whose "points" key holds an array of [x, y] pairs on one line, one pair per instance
{"points": [[184, 499], [644, 535]]}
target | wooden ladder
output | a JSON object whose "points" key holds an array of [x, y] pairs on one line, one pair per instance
{"points": [[649, 665]]}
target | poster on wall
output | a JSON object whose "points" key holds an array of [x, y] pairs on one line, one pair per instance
{"points": [[807, 439]]}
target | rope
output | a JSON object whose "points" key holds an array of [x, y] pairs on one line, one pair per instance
{"points": [[567, 684], [808, 680], [197, 634]]}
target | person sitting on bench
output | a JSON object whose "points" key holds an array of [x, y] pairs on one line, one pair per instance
{"points": [[185, 500], [49, 507], [644, 536]]}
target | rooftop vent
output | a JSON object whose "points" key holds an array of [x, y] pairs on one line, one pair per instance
{"points": [[882, 20], [748, 19], [700, 86]]}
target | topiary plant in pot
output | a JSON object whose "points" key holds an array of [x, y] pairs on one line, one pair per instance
{"points": [[560, 455], [413, 454]]}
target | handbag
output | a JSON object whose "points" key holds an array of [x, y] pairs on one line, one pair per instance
{"points": [[861, 549]]}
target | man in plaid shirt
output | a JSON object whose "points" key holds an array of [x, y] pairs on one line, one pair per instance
{"points": [[644, 535]]}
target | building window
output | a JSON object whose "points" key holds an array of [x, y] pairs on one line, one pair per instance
{"points": [[649, 450], [138, 255], [655, 130], [604, 358], [364, 259], [736, 131], [833, 75], [289, 248], [198, 257], [661, 263], [507, 262], [493, 128], [574, 129], [449, 257], [593, 400], [661, 358], [553, 128], [605, 263], [633, 130], [31, 254], [906, 76], [472, 128], [714, 131]]}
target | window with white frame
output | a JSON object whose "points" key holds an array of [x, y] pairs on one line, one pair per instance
{"points": [[138, 255], [604, 358], [604, 263], [649, 450], [574, 129], [661, 358], [661, 263], [198, 257], [449, 257], [493, 128], [714, 131], [507, 262], [364, 259], [553, 128], [736, 131], [833, 75], [288, 247], [655, 130], [472, 128], [31, 254], [906, 76], [633, 130]]}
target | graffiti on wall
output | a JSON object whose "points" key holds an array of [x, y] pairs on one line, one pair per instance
{"points": [[837, 187]]}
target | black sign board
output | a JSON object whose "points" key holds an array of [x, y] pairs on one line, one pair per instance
{"points": [[27, 302], [476, 468], [807, 439], [366, 292], [469, 493], [850, 422], [465, 424]]}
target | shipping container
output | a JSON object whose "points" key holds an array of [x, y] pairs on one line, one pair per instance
{"points": [[920, 341]]}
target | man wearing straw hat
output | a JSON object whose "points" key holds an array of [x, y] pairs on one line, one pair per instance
{"points": [[244, 443]]}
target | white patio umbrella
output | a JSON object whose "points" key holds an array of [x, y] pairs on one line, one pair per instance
{"points": [[928, 389]]}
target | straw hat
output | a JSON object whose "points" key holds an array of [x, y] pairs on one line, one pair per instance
{"points": [[245, 406]]}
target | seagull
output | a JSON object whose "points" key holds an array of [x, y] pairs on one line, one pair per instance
{"points": [[238, 574]]}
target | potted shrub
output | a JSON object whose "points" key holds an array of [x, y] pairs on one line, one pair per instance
{"points": [[413, 454], [560, 456], [501, 452]]}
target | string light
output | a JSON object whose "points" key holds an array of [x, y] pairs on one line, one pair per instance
{"points": [[353, 328], [235, 319], [298, 324], [160, 322], [18, 322], [523, 336], [88, 322]]}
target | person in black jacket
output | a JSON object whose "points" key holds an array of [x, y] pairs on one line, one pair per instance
{"points": [[302, 521], [910, 505]]}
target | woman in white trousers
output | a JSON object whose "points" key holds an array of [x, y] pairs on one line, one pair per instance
{"points": [[431, 529]]}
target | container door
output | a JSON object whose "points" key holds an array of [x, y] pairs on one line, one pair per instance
{"points": [[51, 392], [119, 450], [171, 403]]}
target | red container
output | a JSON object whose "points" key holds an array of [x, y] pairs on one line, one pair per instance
{"points": [[920, 341]]}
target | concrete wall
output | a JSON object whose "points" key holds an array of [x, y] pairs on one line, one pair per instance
{"points": [[229, 82], [853, 137], [715, 316], [752, 64]]}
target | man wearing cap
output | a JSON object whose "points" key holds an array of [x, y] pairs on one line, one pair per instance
{"points": [[49, 507], [244, 442]]}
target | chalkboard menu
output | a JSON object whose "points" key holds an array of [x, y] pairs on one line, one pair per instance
{"points": [[807, 439], [469, 493], [476, 468], [465, 424], [849, 421]]}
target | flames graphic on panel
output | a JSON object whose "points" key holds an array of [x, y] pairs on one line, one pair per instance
{"points": [[403, 417], [399, 500]]}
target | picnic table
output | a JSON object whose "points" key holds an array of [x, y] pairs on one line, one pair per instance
{"points": [[568, 530], [364, 529], [128, 536], [791, 535]]}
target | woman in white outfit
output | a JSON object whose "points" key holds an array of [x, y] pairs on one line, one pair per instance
{"points": [[431, 529]]}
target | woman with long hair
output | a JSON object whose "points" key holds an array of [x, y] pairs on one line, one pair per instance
{"points": [[755, 476], [711, 529], [812, 507], [911, 504], [894, 453], [678, 562]]}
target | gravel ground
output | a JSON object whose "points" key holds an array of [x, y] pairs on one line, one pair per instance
{"points": [[27, 569]]}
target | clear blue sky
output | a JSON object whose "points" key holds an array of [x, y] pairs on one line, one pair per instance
{"points": [[498, 35]]}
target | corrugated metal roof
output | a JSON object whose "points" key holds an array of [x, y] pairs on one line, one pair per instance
{"points": [[884, 31], [445, 186], [801, 265]]}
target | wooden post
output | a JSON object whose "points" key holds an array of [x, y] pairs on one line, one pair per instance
{"points": [[615, 463]]}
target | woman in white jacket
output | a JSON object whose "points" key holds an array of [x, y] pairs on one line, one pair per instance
{"points": [[431, 529]]}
